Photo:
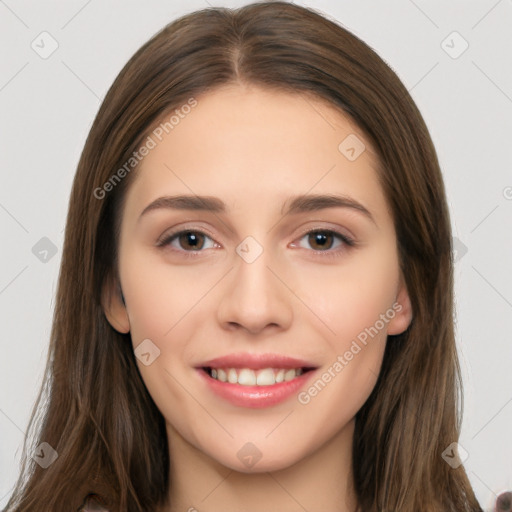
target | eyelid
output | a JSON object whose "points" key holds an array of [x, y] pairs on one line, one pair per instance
{"points": [[165, 239], [343, 234], [347, 241]]}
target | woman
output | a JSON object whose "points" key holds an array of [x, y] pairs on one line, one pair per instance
{"points": [[255, 302]]}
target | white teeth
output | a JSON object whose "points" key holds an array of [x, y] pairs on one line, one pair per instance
{"points": [[289, 375], [232, 376], [265, 377], [248, 377]]}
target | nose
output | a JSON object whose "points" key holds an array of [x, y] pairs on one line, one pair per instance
{"points": [[254, 300]]}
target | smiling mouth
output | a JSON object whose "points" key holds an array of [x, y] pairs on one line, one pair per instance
{"points": [[249, 377]]}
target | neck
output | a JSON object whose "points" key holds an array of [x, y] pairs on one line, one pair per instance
{"points": [[322, 480]]}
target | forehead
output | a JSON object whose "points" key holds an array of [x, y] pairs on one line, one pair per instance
{"points": [[259, 144]]}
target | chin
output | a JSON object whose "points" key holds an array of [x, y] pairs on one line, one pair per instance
{"points": [[242, 463]]}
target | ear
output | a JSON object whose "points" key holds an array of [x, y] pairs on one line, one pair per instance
{"points": [[403, 310], [114, 307]]}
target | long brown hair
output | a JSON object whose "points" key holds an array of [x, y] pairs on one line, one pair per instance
{"points": [[94, 409]]}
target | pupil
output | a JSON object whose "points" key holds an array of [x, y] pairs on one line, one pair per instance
{"points": [[320, 240], [191, 240]]}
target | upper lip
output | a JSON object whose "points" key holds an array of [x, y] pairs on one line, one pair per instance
{"points": [[256, 362]]}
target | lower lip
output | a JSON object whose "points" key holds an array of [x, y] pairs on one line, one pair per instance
{"points": [[256, 397]]}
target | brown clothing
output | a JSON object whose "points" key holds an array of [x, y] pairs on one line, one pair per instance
{"points": [[92, 504]]}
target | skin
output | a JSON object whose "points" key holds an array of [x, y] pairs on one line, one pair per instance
{"points": [[254, 149]]}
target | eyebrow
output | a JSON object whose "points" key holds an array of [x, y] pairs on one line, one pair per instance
{"points": [[186, 202], [315, 202], [297, 204]]}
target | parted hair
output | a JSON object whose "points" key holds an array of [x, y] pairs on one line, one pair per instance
{"points": [[94, 408]]}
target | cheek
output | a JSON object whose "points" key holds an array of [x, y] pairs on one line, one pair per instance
{"points": [[164, 305], [357, 306], [158, 295], [351, 298], [169, 306]]}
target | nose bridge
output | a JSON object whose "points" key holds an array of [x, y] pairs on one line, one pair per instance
{"points": [[251, 272], [254, 298], [252, 278]]}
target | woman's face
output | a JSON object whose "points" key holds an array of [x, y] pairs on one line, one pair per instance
{"points": [[256, 230]]}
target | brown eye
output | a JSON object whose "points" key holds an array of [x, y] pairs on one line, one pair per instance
{"points": [[188, 241], [191, 240], [321, 240], [324, 240]]}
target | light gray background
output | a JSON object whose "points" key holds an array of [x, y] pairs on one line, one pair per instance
{"points": [[48, 105]]}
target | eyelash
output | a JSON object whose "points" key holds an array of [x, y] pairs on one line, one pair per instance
{"points": [[346, 241]]}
